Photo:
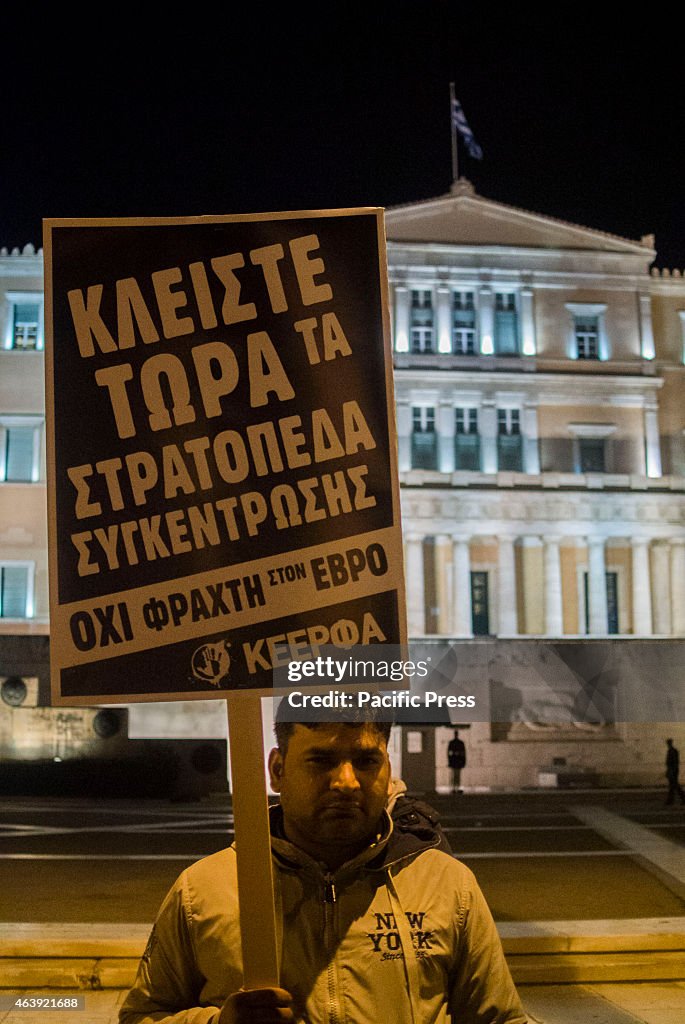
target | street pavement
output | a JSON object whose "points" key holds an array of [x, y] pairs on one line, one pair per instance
{"points": [[533, 853], [590, 859], [661, 1003]]}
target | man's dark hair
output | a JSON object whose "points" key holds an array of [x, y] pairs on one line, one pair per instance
{"points": [[287, 718]]}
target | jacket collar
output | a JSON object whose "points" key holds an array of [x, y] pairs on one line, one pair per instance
{"points": [[406, 831]]}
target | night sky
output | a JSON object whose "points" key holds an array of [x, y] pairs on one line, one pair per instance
{"points": [[290, 107]]}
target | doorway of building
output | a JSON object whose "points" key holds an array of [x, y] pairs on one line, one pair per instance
{"points": [[418, 757], [612, 602], [480, 617]]}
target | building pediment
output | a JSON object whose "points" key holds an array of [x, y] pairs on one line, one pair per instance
{"points": [[464, 218]]}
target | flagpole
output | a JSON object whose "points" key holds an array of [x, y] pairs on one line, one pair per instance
{"points": [[453, 127]]}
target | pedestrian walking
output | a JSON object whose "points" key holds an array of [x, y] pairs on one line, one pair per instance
{"points": [[456, 760], [672, 772]]}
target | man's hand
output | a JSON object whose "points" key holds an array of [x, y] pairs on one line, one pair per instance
{"points": [[258, 1006]]}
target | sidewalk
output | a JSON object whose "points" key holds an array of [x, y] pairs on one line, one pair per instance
{"points": [[613, 971], [568, 972], [662, 1003]]}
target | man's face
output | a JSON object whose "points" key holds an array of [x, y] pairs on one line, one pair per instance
{"points": [[333, 784]]}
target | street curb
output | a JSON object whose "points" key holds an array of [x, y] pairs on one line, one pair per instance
{"points": [[35, 956]]}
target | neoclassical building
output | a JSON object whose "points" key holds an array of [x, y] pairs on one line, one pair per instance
{"points": [[540, 416], [540, 385]]}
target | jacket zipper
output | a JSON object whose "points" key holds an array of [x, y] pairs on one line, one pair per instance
{"points": [[329, 901]]}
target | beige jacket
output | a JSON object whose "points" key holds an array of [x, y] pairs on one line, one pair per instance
{"points": [[400, 935]]}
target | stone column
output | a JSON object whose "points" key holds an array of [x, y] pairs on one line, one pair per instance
{"points": [[402, 299], [531, 584], [36, 454], [446, 427], [443, 582], [646, 332], [661, 587], [416, 619], [6, 324], [462, 622], [531, 448], [652, 441], [404, 424], [488, 437], [486, 320], [641, 587], [603, 340], [554, 614], [41, 325], [444, 318], [678, 586], [597, 587], [506, 575], [528, 344]]}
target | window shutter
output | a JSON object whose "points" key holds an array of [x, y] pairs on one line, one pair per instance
{"points": [[19, 453], [14, 590]]}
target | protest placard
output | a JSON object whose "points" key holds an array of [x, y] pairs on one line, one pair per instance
{"points": [[222, 481]]}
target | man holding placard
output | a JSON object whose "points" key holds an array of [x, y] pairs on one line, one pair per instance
{"points": [[233, 505], [375, 923]]}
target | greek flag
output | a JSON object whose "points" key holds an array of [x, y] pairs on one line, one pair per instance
{"points": [[461, 124]]}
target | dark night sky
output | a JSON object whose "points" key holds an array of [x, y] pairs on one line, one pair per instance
{"points": [[287, 108]]}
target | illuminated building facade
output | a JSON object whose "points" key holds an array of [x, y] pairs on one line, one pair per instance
{"points": [[23, 529], [541, 427], [539, 382], [539, 375]]}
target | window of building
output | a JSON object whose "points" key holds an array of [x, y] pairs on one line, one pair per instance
{"points": [[20, 449], [422, 339], [506, 324], [586, 331], [421, 322], [464, 324], [14, 591], [424, 440], [466, 440], [18, 453], [591, 455], [26, 320], [587, 338], [509, 440], [421, 298], [24, 324], [592, 451]]}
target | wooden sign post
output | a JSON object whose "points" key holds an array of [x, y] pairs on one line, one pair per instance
{"points": [[251, 823]]}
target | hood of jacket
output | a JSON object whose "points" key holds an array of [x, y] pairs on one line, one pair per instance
{"points": [[407, 828]]}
